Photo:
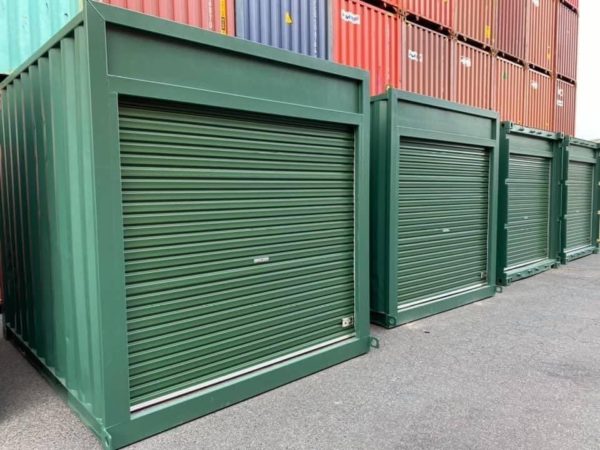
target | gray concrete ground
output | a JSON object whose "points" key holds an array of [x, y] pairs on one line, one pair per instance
{"points": [[519, 371]]}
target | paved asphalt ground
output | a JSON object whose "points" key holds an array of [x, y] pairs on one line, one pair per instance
{"points": [[519, 371]]}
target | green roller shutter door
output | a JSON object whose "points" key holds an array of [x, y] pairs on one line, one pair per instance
{"points": [[442, 220], [239, 244], [579, 205], [528, 210]]}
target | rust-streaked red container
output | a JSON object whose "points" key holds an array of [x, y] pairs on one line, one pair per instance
{"points": [[564, 112], [509, 80], [472, 76], [540, 33], [539, 93], [425, 61], [512, 23], [438, 11], [476, 20], [567, 24], [369, 38], [214, 15]]}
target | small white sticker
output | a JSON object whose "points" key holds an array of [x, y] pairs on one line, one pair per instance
{"points": [[560, 103], [536, 3], [465, 61], [415, 56], [560, 92], [350, 17], [534, 85], [445, 230], [261, 260]]}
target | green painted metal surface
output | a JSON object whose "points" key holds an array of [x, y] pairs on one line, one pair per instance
{"points": [[111, 208], [433, 206], [581, 199], [530, 202], [25, 25]]}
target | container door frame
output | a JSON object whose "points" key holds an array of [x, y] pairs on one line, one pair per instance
{"points": [[568, 256], [118, 427], [395, 136], [508, 128]]}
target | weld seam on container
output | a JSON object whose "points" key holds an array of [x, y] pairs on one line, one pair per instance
{"points": [[434, 177], [129, 281], [529, 203], [580, 199]]}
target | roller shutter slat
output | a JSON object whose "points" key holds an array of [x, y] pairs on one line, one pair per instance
{"points": [[443, 196], [206, 195], [579, 205]]}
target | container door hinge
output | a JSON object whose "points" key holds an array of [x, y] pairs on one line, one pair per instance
{"points": [[347, 322], [374, 342]]}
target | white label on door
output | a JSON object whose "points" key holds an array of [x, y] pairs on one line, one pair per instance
{"points": [[415, 56], [261, 260], [534, 85], [465, 61], [350, 17], [536, 3], [560, 92], [560, 103]]}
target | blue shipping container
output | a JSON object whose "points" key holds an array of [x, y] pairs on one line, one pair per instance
{"points": [[25, 25], [297, 25]]}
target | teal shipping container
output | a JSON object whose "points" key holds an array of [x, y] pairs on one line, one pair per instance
{"points": [[179, 237], [25, 25], [530, 202], [434, 175], [581, 198]]}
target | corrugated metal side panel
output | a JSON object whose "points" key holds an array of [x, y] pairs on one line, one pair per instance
{"points": [[567, 27], [425, 61], [25, 25], [565, 107], [239, 241], [473, 76], [297, 25], [477, 20], [510, 102], [541, 33], [438, 11], [368, 38], [214, 15], [443, 196], [540, 104], [512, 22], [48, 216], [573, 3], [579, 205], [528, 210]]}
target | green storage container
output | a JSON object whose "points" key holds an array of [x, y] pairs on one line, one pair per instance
{"points": [[434, 173], [530, 198], [581, 199], [184, 218]]}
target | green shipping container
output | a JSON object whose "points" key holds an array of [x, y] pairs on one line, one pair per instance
{"points": [[184, 218], [434, 173], [530, 199], [581, 199]]}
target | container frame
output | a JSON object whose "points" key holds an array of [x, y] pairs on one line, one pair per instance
{"points": [[567, 255], [386, 132], [506, 277], [110, 417]]}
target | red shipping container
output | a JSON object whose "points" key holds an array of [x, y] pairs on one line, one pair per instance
{"points": [[472, 69], [540, 33], [369, 38], [508, 89], [476, 20], [573, 3], [425, 61], [214, 15], [564, 112], [438, 11], [512, 22], [539, 91], [567, 24]]}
